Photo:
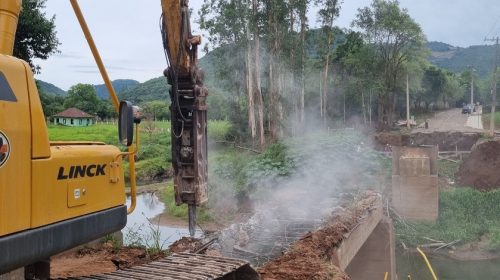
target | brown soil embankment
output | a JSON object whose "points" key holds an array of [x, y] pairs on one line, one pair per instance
{"points": [[314, 255], [481, 168]]}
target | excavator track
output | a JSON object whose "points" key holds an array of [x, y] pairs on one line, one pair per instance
{"points": [[183, 266]]}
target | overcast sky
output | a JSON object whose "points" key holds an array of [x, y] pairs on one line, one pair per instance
{"points": [[128, 37]]}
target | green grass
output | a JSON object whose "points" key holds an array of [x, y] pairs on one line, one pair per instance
{"points": [[487, 118], [464, 214], [218, 130], [447, 168], [106, 133]]}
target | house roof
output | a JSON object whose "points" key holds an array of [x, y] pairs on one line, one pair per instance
{"points": [[73, 113]]}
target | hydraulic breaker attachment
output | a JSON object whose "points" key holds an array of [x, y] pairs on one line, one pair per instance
{"points": [[188, 108]]}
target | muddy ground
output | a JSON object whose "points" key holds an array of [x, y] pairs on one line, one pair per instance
{"points": [[481, 168], [100, 259]]}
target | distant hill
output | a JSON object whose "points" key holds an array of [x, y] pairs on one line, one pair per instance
{"points": [[154, 89], [157, 88], [49, 88], [458, 59], [119, 85]]}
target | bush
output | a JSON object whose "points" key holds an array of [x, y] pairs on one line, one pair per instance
{"points": [[464, 214], [218, 130]]}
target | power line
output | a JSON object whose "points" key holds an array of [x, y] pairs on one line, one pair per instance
{"points": [[493, 27]]}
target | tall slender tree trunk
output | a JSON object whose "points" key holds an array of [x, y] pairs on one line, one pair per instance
{"points": [[290, 78], [250, 88], [321, 95], [302, 64], [325, 76], [370, 107], [257, 91], [275, 86], [363, 107]]}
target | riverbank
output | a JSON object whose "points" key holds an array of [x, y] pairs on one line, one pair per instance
{"points": [[148, 188], [477, 250]]}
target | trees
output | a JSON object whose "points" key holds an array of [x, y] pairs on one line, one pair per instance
{"points": [[155, 110], [83, 97], [328, 12], [36, 34], [51, 104], [397, 39], [234, 25]]}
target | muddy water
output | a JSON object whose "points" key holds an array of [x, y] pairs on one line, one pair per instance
{"points": [[445, 268], [140, 227]]}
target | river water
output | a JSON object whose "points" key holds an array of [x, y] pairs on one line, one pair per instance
{"points": [[445, 268], [140, 229]]}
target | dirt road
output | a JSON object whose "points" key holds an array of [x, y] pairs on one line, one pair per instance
{"points": [[454, 120]]}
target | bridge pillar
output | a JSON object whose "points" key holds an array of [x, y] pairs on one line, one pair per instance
{"points": [[415, 192], [377, 255]]}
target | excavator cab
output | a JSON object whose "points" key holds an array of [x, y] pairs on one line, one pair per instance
{"points": [[54, 196]]}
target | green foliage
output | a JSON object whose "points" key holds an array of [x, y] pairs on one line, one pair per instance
{"points": [[36, 34], [495, 238], [156, 110], [447, 168], [115, 242], [230, 166], [181, 211], [300, 157], [398, 41], [148, 238], [464, 214], [219, 130], [275, 162], [487, 118], [83, 97], [51, 104]]}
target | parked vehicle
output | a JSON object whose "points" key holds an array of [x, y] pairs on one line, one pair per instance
{"points": [[467, 109]]}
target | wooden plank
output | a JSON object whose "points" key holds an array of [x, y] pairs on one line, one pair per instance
{"points": [[350, 246]]}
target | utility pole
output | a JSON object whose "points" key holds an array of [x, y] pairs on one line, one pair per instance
{"points": [[407, 101], [494, 91], [472, 85]]}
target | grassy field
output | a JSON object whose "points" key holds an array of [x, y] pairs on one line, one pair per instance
{"points": [[108, 133]]}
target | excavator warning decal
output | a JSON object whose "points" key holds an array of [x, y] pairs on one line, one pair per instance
{"points": [[4, 149], [6, 93]]}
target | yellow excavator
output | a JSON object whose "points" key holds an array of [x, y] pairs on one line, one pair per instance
{"points": [[55, 196]]}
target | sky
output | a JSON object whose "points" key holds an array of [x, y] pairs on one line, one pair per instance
{"points": [[128, 37]]}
